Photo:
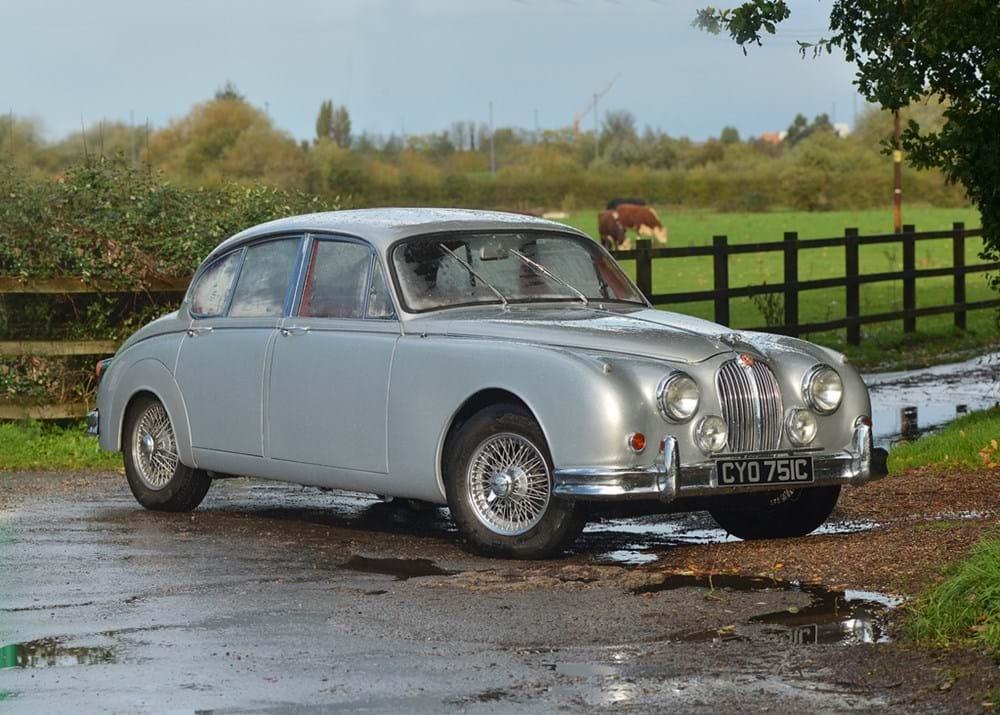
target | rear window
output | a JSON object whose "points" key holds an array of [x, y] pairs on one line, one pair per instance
{"points": [[208, 299]]}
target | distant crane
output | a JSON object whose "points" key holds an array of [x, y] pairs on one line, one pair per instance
{"points": [[591, 107]]}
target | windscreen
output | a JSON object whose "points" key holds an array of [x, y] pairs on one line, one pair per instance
{"points": [[450, 270]]}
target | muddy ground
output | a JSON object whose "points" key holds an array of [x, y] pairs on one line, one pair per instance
{"points": [[275, 598]]}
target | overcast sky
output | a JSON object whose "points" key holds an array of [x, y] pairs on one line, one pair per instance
{"points": [[413, 64]]}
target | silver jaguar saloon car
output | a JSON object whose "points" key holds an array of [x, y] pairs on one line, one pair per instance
{"points": [[498, 364]]}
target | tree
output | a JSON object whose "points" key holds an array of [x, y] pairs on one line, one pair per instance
{"points": [[908, 52], [800, 128], [340, 127], [324, 120], [730, 135], [229, 91]]}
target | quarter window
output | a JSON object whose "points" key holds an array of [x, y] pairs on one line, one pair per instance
{"points": [[336, 280], [379, 303], [209, 296], [263, 281]]}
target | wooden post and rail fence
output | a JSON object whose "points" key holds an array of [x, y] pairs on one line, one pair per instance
{"points": [[644, 255]]}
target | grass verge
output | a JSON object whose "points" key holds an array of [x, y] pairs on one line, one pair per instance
{"points": [[970, 442], [38, 445], [963, 609]]}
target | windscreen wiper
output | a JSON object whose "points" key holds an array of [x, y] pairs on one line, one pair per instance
{"points": [[546, 272], [472, 270]]}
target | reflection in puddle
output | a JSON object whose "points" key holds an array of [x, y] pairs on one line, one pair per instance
{"points": [[51, 653], [402, 569], [833, 616], [936, 392], [679, 529]]}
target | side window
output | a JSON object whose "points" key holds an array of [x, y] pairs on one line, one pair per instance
{"points": [[379, 303], [208, 299], [336, 280], [261, 287]]}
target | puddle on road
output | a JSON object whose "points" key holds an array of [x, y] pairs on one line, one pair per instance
{"points": [[832, 617], [646, 533], [52, 653], [936, 392], [402, 569]]}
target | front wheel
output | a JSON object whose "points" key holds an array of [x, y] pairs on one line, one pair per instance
{"points": [[155, 475], [498, 479], [776, 515]]}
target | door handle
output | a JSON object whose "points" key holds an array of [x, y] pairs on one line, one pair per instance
{"points": [[294, 330], [197, 330]]}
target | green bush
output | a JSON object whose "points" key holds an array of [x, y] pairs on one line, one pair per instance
{"points": [[117, 226]]}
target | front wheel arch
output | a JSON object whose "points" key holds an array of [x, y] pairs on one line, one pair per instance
{"points": [[473, 404]]}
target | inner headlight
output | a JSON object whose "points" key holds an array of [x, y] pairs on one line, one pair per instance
{"points": [[801, 426], [823, 389], [677, 397], [711, 434]]}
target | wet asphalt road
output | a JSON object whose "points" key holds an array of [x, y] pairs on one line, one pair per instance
{"points": [[274, 598]]}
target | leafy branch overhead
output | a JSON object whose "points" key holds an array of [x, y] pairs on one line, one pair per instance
{"points": [[908, 52]]}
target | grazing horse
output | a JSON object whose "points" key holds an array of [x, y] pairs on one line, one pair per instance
{"points": [[615, 203], [643, 220], [613, 236]]}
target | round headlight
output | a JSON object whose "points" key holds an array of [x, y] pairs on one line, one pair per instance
{"points": [[711, 434], [823, 389], [801, 427], [677, 397]]}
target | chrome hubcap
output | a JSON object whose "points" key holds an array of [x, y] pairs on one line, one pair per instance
{"points": [[154, 447], [508, 483]]}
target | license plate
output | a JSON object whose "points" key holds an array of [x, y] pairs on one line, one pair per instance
{"points": [[780, 470]]}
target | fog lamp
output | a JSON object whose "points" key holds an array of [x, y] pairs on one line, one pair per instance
{"points": [[711, 434], [801, 427]]}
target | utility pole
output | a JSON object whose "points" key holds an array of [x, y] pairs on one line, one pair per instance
{"points": [[597, 130], [538, 132], [897, 176], [493, 160]]}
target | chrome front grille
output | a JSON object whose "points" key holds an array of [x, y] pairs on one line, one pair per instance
{"points": [[751, 405]]}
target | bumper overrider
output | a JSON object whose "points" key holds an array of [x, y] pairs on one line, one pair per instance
{"points": [[668, 479]]}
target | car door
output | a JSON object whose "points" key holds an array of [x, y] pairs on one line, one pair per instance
{"points": [[220, 366], [330, 367]]}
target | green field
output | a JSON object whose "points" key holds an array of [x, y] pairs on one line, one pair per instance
{"points": [[935, 334]]}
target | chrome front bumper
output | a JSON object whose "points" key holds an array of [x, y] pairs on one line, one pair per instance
{"points": [[668, 479]]}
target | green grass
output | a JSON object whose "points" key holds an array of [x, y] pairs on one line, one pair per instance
{"points": [[959, 445], [965, 607], [881, 343], [36, 445]]}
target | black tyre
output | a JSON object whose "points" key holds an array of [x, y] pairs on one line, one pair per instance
{"points": [[498, 479], [155, 475], [776, 515]]}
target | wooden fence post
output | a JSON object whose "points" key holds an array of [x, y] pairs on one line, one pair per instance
{"points": [[720, 259], [644, 267], [958, 261], [791, 282], [909, 278], [852, 300]]}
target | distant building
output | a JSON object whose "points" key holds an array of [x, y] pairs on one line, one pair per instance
{"points": [[842, 129], [772, 137]]}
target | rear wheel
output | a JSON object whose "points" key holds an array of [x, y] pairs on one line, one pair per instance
{"points": [[155, 475], [776, 515], [498, 479]]}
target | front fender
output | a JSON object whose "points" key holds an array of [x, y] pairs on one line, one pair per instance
{"points": [[584, 407]]}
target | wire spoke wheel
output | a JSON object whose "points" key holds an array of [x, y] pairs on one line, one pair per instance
{"points": [[509, 484], [154, 447]]}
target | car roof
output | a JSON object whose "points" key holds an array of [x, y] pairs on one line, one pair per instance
{"points": [[382, 227]]}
